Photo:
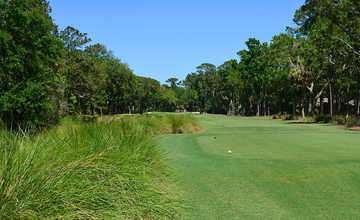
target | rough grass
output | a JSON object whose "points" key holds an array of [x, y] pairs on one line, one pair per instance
{"points": [[162, 123], [276, 169], [110, 169]]}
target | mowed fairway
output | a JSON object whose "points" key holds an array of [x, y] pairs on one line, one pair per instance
{"points": [[277, 170]]}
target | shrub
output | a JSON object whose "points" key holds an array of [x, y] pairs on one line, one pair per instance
{"points": [[352, 121], [322, 118], [340, 119], [289, 117], [277, 116]]}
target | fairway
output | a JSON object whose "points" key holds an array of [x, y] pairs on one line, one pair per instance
{"points": [[276, 169]]}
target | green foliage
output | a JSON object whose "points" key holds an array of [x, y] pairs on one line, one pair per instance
{"points": [[120, 88], [111, 169], [28, 53], [96, 82]]}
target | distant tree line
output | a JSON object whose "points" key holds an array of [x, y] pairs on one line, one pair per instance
{"points": [[313, 68], [46, 73]]}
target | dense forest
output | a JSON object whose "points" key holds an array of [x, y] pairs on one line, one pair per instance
{"points": [[46, 73]]}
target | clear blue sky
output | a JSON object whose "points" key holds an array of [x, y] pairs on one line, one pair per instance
{"points": [[169, 38]]}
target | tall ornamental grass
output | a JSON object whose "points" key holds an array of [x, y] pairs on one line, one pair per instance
{"points": [[109, 169]]}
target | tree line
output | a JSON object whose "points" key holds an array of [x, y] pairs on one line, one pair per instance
{"points": [[313, 68], [46, 73]]}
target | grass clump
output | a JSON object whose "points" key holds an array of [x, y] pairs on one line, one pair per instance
{"points": [[182, 123], [97, 170], [285, 116]]}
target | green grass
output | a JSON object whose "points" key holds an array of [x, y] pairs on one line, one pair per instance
{"points": [[277, 170], [109, 169]]}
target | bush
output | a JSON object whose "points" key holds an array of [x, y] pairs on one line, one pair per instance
{"points": [[340, 119], [352, 121], [289, 117], [322, 118], [106, 170], [284, 116], [277, 116]]}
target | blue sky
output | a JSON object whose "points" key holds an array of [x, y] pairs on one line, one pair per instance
{"points": [[169, 38]]}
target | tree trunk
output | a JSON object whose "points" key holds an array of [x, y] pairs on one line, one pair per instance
{"points": [[294, 108], [303, 108], [339, 106], [313, 104], [231, 108], [321, 106], [358, 96], [264, 107], [331, 99], [69, 101], [258, 108], [311, 108], [303, 102], [91, 109], [250, 110]]}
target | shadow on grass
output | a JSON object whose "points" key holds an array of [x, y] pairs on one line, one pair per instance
{"points": [[312, 123], [300, 122]]}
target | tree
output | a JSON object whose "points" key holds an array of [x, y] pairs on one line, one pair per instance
{"points": [[333, 26], [173, 82], [232, 86], [74, 64], [29, 53], [121, 88], [167, 99], [96, 61], [147, 94], [252, 65]]}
